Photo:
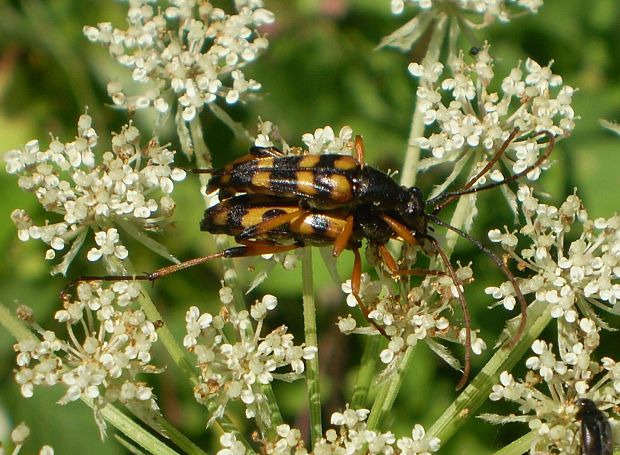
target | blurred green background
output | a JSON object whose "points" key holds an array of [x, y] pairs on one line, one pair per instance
{"points": [[320, 70]]}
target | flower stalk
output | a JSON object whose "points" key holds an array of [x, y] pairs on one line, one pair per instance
{"points": [[518, 446], [310, 332], [366, 373], [477, 391]]}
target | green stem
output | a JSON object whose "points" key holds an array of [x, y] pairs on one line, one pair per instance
{"points": [[366, 373], [134, 431], [520, 446], [14, 326], [312, 365], [182, 441], [201, 151], [388, 391], [412, 156], [167, 339], [236, 127], [477, 392]]}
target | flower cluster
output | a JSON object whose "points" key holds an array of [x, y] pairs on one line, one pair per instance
{"points": [[574, 374], [444, 18], [109, 346], [325, 141], [424, 316], [130, 186], [322, 141], [239, 369], [350, 435], [489, 9], [474, 117], [568, 275], [191, 50]]}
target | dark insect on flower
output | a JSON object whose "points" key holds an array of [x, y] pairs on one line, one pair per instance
{"points": [[473, 51], [595, 433], [271, 203], [263, 224]]}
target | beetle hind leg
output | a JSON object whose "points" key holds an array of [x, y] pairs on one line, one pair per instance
{"points": [[247, 249], [271, 224]]}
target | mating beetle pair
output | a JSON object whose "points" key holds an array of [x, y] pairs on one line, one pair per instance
{"points": [[271, 202]]}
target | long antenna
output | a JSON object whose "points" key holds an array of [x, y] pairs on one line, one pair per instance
{"points": [[466, 316], [441, 200], [502, 267]]}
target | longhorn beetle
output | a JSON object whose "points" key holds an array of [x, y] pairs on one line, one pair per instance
{"points": [[303, 227], [271, 202]]}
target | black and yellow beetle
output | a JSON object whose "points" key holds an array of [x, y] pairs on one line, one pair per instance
{"points": [[271, 202], [333, 181], [341, 182], [265, 224]]}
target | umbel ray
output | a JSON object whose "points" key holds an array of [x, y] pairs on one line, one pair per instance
{"points": [[272, 203]]}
